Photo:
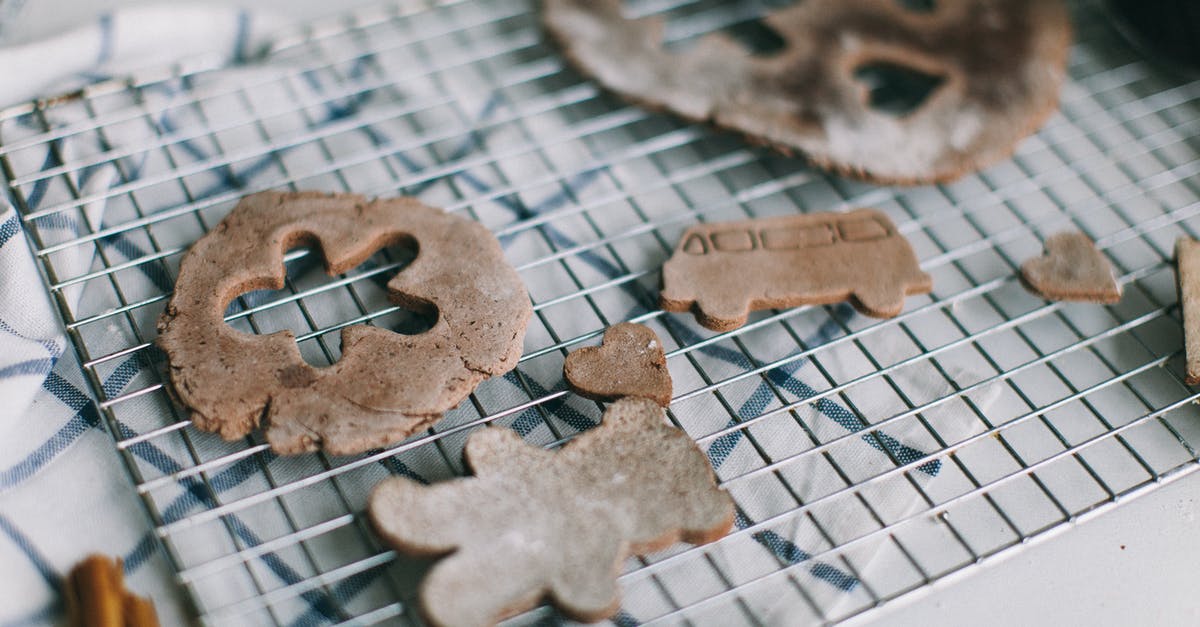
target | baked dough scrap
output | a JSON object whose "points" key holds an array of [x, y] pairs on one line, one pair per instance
{"points": [[534, 523], [386, 385], [629, 362], [1187, 254], [1072, 268], [997, 66], [95, 595], [722, 271]]}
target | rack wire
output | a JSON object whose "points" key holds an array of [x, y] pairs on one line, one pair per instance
{"points": [[868, 458]]}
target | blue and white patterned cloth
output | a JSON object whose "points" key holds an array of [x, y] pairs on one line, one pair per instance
{"points": [[63, 491]]}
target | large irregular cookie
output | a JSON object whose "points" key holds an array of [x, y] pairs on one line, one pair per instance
{"points": [[386, 385], [534, 523], [1187, 253], [629, 362], [996, 65], [724, 270], [1071, 269]]}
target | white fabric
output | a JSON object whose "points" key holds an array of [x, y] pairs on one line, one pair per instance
{"points": [[123, 42], [63, 491]]}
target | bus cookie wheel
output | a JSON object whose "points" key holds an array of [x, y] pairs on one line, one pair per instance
{"points": [[721, 313], [715, 309], [880, 301], [886, 298]]}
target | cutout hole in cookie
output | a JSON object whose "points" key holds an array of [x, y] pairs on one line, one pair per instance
{"points": [[688, 22], [759, 38], [328, 304], [919, 6], [896, 89]]}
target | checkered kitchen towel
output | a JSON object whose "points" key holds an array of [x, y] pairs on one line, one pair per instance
{"points": [[62, 490]]}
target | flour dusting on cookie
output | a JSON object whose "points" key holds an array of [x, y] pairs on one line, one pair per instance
{"points": [[991, 70]]}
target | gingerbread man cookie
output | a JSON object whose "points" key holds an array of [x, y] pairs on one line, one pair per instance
{"points": [[386, 385], [534, 523]]}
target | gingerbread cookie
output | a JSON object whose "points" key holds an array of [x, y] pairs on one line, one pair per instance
{"points": [[534, 523], [629, 363], [1071, 269], [991, 69], [1187, 253], [95, 596], [724, 270], [386, 385]]}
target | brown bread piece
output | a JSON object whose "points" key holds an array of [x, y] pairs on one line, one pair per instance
{"points": [[386, 385], [629, 363], [534, 523]]}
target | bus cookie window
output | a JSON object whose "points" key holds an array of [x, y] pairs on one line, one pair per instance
{"points": [[862, 230], [733, 241], [797, 238]]}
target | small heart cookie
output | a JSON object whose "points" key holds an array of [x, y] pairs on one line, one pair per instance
{"points": [[1071, 269], [629, 362]]}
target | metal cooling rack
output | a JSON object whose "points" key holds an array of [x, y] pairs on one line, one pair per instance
{"points": [[868, 458]]}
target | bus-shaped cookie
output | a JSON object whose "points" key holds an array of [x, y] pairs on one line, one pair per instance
{"points": [[722, 271]]}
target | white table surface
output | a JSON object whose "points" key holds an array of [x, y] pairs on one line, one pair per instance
{"points": [[1134, 565]]}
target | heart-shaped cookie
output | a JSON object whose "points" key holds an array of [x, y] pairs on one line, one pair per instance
{"points": [[628, 363], [1072, 268]]}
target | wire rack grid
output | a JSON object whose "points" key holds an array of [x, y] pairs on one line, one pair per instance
{"points": [[868, 458]]}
